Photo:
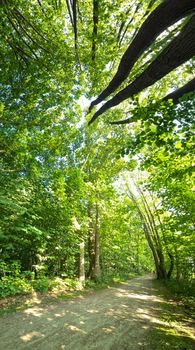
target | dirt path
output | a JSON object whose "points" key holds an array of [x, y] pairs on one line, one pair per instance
{"points": [[126, 316]]}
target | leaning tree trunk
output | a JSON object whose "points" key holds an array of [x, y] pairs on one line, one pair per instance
{"points": [[177, 94], [167, 13], [174, 96], [156, 249], [177, 52], [169, 253], [158, 261], [154, 232]]}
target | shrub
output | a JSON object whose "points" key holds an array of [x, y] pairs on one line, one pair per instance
{"points": [[11, 269], [41, 285], [10, 285]]}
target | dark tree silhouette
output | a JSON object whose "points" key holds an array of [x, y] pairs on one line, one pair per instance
{"points": [[174, 96], [177, 52]]}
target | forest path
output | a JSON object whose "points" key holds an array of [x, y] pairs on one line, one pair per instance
{"points": [[124, 316]]}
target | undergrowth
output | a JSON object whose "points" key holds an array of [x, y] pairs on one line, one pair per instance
{"points": [[17, 293], [183, 292]]}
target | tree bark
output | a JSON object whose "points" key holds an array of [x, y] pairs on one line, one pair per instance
{"points": [[82, 262], [174, 96], [128, 24], [95, 28], [171, 265], [74, 15], [169, 253], [122, 26], [167, 13], [177, 94], [159, 265], [97, 271], [69, 12], [91, 242], [180, 50], [155, 235]]}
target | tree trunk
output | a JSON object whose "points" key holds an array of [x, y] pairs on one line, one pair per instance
{"points": [[171, 265], [167, 13], [174, 96], [128, 24], [74, 13], [82, 262], [170, 255], [97, 271], [69, 12], [154, 232], [177, 94], [180, 50], [177, 264], [155, 249], [157, 255], [138, 252], [95, 27], [91, 242]]}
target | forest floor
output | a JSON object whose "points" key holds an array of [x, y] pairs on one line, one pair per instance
{"points": [[131, 315]]}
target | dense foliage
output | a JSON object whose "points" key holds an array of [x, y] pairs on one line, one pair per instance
{"points": [[98, 201]]}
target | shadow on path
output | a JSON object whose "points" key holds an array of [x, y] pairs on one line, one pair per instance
{"points": [[126, 316]]}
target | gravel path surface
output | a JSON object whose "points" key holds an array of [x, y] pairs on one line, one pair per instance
{"points": [[121, 317]]}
